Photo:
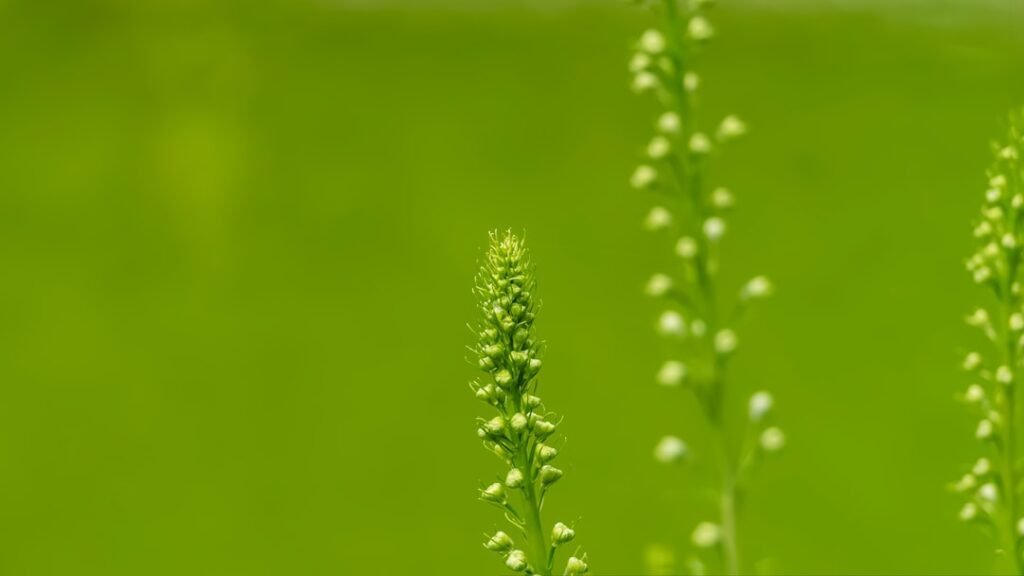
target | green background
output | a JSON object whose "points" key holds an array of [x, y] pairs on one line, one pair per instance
{"points": [[237, 242]]}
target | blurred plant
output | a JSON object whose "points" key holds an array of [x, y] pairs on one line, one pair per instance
{"points": [[521, 433], [693, 214], [992, 486]]}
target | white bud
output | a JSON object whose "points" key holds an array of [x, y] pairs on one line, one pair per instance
{"points": [[730, 128], [984, 430], [757, 287], [670, 449], [1004, 375], [672, 373], [1009, 241], [993, 213], [1008, 153], [658, 285], [706, 535], [535, 364], [495, 425], [699, 29], [1020, 526], [643, 177], [760, 405], [722, 198], [969, 512], [639, 62], [1017, 201], [772, 439], [516, 561], [993, 194], [671, 323], [978, 318], [982, 275], [997, 181], [503, 377], [988, 492], [652, 42], [514, 478], [546, 453], [493, 493], [659, 148], [669, 123], [972, 361], [658, 218], [974, 394], [966, 482], [691, 81], [699, 143], [518, 422], [725, 342], [1017, 322], [982, 230], [644, 82], [500, 542], [576, 566], [549, 474], [982, 467], [686, 247], [562, 534], [714, 228]]}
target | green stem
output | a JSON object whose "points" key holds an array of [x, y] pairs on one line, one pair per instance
{"points": [[688, 173], [730, 546], [1009, 451], [538, 553]]}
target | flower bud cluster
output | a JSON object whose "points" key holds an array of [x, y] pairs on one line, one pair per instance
{"points": [[693, 213], [521, 432], [991, 485]]}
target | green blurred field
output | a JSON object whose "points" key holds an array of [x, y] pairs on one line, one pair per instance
{"points": [[238, 241]]}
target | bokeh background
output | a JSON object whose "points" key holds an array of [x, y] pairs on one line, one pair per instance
{"points": [[237, 241]]}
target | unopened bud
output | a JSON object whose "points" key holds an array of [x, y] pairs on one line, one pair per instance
{"points": [[493, 493], [514, 478], [561, 534], [500, 542], [549, 474], [516, 561]]}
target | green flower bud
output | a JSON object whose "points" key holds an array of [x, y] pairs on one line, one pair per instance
{"points": [[494, 351], [543, 429], [493, 493], [500, 542], [534, 366], [516, 561], [520, 357], [518, 422], [514, 478], [486, 393], [576, 566], [561, 534], [546, 453], [549, 475], [503, 377], [495, 426], [531, 402]]}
